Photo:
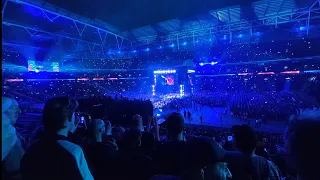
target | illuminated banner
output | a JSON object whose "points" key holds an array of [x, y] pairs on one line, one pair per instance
{"points": [[290, 72], [83, 79], [244, 74], [14, 80], [266, 73], [164, 71]]}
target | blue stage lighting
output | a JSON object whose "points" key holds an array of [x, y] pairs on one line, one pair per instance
{"points": [[210, 39], [134, 51], [148, 49], [240, 35], [224, 37], [201, 64], [303, 28], [160, 47], [258, 33], [185, 43], [197, 41], [172, 45], [119, 52]]}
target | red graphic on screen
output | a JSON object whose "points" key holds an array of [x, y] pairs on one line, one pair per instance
{"points": [[170, 80]]}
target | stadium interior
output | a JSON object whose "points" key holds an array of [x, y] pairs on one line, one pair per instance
{"points": [[218, 64]]}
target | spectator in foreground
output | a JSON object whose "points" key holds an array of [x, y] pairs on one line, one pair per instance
{"points": [[260, 149], [12, 150], [302, 144], [107, 135], [204, 154], [169, 156], [244, 163], [203, 160], [54, 157], [148, 140], [13, 110], [117, 133], [9, 137], [108, 128], [101, 154], [137, 122], [132, 164]]}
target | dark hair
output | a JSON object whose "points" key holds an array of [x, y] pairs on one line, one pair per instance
{"points": [[136, 120], [202, 151], [56, 111], [302, 144], [98, 112], [175, 123], [148, 141], [132, 137], [245, 138]]}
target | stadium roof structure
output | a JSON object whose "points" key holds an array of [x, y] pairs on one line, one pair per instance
{"points": [[230, 21], [40, 25], [38, 22]]}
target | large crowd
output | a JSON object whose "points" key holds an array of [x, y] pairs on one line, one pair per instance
{"points": [[71, 114], [110, 131], [71, 144], [267, 106]]}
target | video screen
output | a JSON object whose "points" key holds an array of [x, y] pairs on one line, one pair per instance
{"points": [[167, 83], [169, 80], [38, 66]]}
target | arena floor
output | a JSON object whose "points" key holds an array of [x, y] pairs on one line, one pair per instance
{"points": [[211, 117]]}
